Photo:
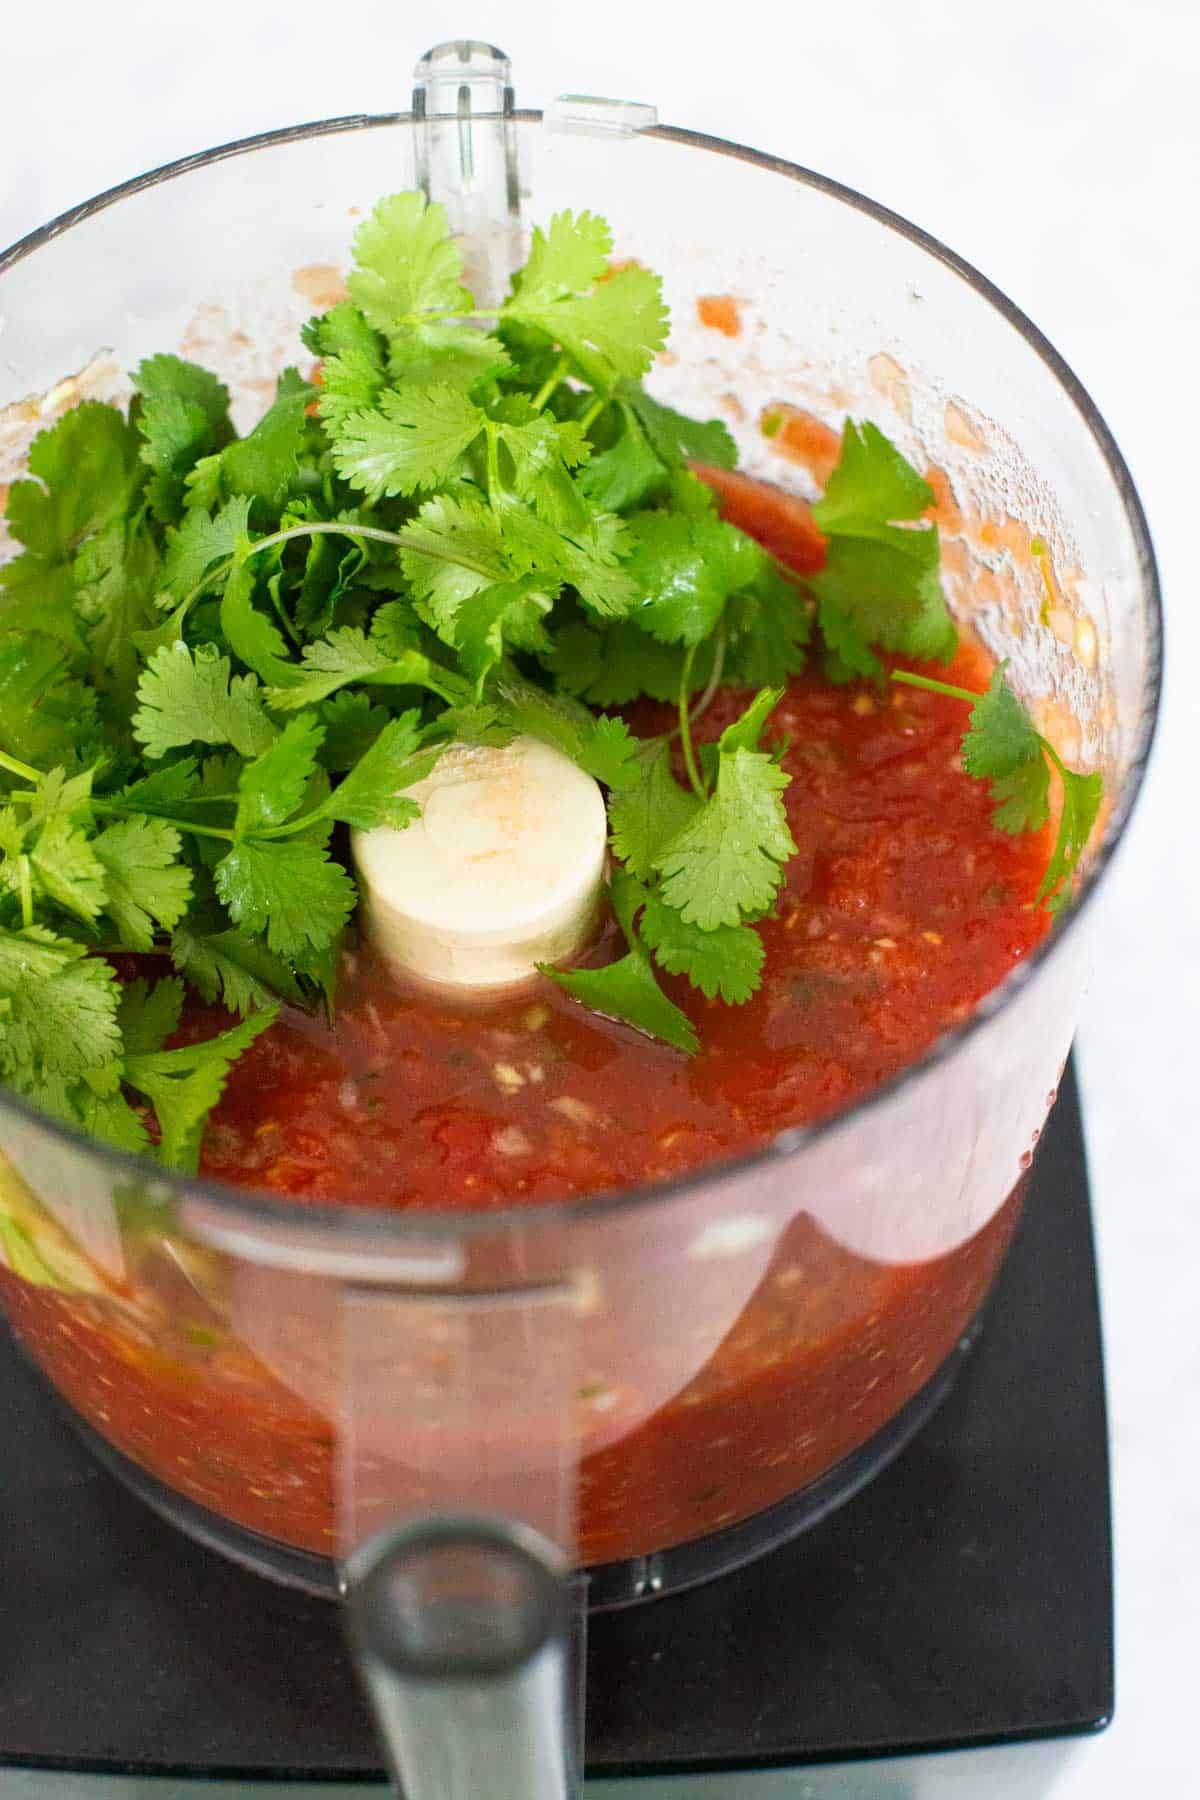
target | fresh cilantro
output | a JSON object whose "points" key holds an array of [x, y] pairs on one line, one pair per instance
{"points": [[371, 793], [235, 968], [346, 656], [191, 697], [87, 470], [146, 886], [727, 861], [271, 788], [1081, 798], [650, 812], [686, 569], [181, 415], [678, 440], [414, 439], [628, 989], [1002, 747], [880, 585], [473, 523], [406, 265], [184, 1085], [201, 542], [724, 963], [626, 471], [768, 626], [288, 891], [611, 325], [58, 1010], [46, 716]]}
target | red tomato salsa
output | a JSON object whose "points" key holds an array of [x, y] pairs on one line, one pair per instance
{"points": [[902, 909]]}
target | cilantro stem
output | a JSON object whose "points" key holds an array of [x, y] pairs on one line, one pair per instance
{"points": [[685, 730], [1055, 758], [25, 877], [557, 374], [125, 950], [19, 768], [403, 540], [935, 687], [448, 312], [593, 412], [318, 528], [714, 680], [113, 809], [493, 462]]}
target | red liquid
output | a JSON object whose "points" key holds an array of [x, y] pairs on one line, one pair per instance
{"points": [[902, 909]]}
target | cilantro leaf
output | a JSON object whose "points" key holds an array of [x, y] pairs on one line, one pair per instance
{"points": [[650, 813], [406, 264], [116, 573], [871, 486], [506, 611], [569, 255], [189, 697], [1002, 747], [618, 665], [604, 747], [58, 1007], [678, 440], [769, 625], [202, 541], [49, 852], [251, 636], [727, 860], [628, 471], [453, 548], [354, 370], [183, 414], [724, 963], [145, 883], [543, 450], [371, 793], [343, 328], [46, 716], [848, 654], [627, 989], [446, 355], [288, 890], [235, 968], [86, 468], [184, 1085], [271, 788], [880, 584], [612, 331], [1081, 797], [263, 464], [587, 556], [686, 570], [166, 789], [610, 754], [348, 655], [147, 1015], [413, 439]]}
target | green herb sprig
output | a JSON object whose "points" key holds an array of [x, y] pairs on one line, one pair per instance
{"points": [[217, 652]]}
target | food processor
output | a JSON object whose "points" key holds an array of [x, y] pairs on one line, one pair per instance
{"points": [[460, 1381]]}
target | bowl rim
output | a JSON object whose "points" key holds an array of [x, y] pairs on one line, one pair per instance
{"points": [[370, 1227]]}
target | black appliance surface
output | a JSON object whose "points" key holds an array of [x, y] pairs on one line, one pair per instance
{"points": [[964, 1597]]}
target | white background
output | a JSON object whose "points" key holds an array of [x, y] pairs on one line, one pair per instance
{"points": [[1055, 144]]}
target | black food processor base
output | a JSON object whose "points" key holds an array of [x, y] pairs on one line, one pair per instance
{"points": [[963, 1597]]}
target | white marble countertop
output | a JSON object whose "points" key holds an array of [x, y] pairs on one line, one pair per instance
{"points": [[1055, 144]]}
